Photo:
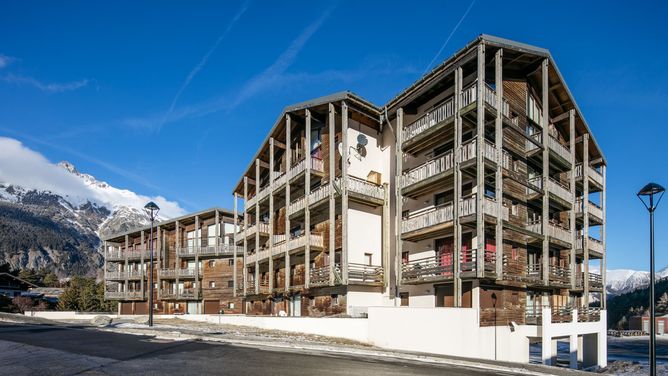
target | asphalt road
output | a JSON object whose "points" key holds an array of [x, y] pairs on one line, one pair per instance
{"points": [[71, 350]]}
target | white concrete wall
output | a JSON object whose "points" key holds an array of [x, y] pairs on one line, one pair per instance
{"points": [[377, 157], [365, 234], [446, 331], [348, 328]]}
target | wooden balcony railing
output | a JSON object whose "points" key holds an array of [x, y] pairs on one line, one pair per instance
{"points": [[559, 231], [433, 217], [366, 274], [315, 240], [428, 120], [433, 267], [561, 190], [560, 149], [319, 194], [593, 174], [365, 188], [559, 275]]}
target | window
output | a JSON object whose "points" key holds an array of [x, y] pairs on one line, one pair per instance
{"points": [[404, 257], [514, 208], [230, 305], [440, 199], [335, 299], [230, 262], [212, 263], [404, 299], [212, 284], [515, 254], [230, 284], [368, 257], [212, 234]]}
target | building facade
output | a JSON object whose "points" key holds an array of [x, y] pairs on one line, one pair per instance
{"points": [[195, 263], [316, 214]]}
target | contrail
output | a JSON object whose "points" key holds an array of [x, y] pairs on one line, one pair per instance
{"points": [[204, 60], [449, 37]]}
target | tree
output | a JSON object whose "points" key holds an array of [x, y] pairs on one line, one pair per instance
{"points": [[29, 275], [84, 294], [24, 303], [51, 280]]}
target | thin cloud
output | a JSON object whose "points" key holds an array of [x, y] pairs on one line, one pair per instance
{"points": [[270, 77], [6, 60], [46, 87], [426, 69], [205, 59]]}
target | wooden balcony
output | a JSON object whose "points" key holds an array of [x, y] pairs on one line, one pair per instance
{"points": [[114, 255], [361, 274], [320, 276], [561, 151], [427, 269], [364, 191], [316, 165], [187, 273], [299, 242], [279, 178], [426, 176], [115, 275], [426, 222], [133, 254], [558, 231], [468, 263], [262, 227], [559, 276], [560, 191], [319, 195], [595, 177], [208, 251], [124, 295], [594, 210], [595, 246]]}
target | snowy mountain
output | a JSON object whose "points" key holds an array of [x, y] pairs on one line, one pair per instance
{"points": [[620, 281], [52, 216]]}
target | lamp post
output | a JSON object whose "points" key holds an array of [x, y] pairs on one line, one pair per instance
{"points": [[646, 195], [151, 210]]}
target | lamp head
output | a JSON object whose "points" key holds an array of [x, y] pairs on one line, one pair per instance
{"points": [[151, 210], [647, 193]]}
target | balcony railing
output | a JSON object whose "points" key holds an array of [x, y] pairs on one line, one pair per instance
{"points": [[468, 261], [365, 188], [117, 274], [428, 169], [560, 149], [114, 255], [593, 208], [189, 293], [279, 178], [433, 267], [297, 169], [559, 275], [468, 150], [360, 273], [593, 244], [319, 194], [490, 151], [320, 276], [433, 217], [124, 295], [316, 240], [429, 120], [491, 208], [534, 272], [593, 174], [595, 280], [559, 231], [536, 136], [561, 190], [173, 273], [297, 205]]}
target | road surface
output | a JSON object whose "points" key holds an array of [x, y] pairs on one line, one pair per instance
{"points": [[71, 350]]}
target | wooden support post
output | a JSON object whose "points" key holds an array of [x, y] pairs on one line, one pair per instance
{"points": [[344, 189], [498, 132], [161, 242], [288, 162], [574, 235], [142, 264], [398, 200], [177, 261], [546, 173], [604, 202], [245, 268], [332, 200], [126, 266], [257, 226], [457, 283], [307, 189], [217, 232], [271, 214], [234, 252], [585, 217], [197, 245], [480, 163]]}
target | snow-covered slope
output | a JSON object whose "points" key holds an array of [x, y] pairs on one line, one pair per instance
{"points": [[52, 216]]}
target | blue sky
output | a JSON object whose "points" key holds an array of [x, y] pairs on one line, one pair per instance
{"points": [[173, 99]]}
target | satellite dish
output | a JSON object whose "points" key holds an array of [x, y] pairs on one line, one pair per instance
{"points": [[339, 147], [362, 140], [361, 150]]}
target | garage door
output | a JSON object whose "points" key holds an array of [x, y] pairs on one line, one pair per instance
{"points": [[141, 308], [211, 307], [126, 308]]}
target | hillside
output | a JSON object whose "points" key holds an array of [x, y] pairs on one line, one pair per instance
{"points": [[622, 307]]}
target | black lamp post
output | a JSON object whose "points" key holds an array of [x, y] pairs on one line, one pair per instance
{"points": [[152, 211], [646, 195]]}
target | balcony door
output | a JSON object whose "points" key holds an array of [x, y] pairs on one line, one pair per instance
{"points": [[445, 254]]}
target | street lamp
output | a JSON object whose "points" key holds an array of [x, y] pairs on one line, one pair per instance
{"points": [[646, 195], [151, 210]]}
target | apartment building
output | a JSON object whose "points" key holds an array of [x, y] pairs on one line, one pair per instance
{"points": [[478, 187], [195, 265], [316, 214]]}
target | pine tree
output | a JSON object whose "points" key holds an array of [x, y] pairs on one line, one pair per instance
{"points": [[51, 280], [29, 275]]}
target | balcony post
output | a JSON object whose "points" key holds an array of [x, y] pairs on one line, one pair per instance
{"points": [[604, 171], [480, 163], [307, 192], [498, 132], [545, 172], [197, 245], [161, 243], [177, 263], [216, 227], [288, 162], [245, 267], [234, 235], [257, 225], [344, 189], [126, 266], [332, 202], [457, 282], [398, 197], [271, 214], [574, 235], [585, 216]]}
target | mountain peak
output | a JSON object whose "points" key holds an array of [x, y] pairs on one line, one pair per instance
{"points": [[69, 167]]}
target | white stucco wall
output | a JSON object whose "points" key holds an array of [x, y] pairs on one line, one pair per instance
{"points": [[378, 156], [364, 234]]}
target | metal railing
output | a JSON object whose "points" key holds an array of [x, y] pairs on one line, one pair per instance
{"points": [[428, 267]]}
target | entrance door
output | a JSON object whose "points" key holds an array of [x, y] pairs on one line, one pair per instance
{"points": [[445, 252], [193, 308], [296, 305], [645, 326], [445, 295], [661, 325]]}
